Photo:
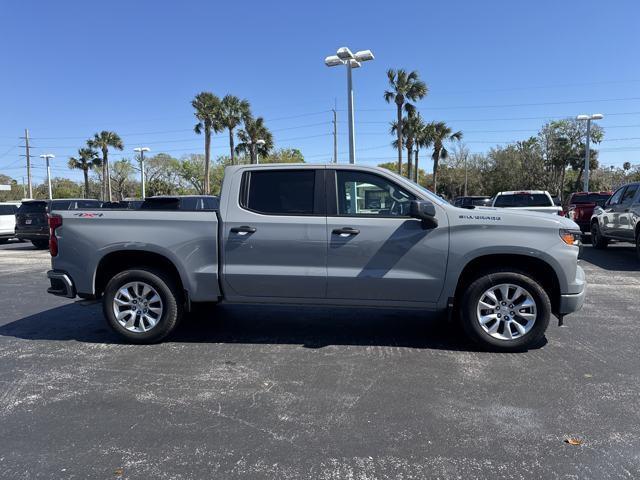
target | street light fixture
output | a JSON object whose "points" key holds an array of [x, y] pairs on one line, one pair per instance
{"points": [[588, 118], [47, 157], [141, 151], [344, 57]]}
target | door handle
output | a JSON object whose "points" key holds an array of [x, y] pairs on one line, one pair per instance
{"points": [[243, 230], [345, 231]]}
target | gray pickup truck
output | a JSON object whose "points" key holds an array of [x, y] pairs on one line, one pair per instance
{"points": [[329, 235]]}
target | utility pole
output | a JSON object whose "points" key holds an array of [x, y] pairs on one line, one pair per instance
{"points": [[465, 175], [28, 157], [587, 163], [141, 151], [48, 157], [335, 135]]}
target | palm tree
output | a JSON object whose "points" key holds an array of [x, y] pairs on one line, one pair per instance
{"points": [[440, 134], [232, 110], [255, 138], [411, 126], [404, 86], [423, 139], [102, 141], [87, 159], [207, 111]]}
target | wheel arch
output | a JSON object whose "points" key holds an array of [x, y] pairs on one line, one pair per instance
{"points": [[537, 268], [117, 261]]}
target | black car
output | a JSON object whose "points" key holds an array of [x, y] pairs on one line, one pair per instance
{"points": [[31, 217], [470, 202]]}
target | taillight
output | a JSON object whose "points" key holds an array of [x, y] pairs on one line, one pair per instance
{"points": [[54, 222]]}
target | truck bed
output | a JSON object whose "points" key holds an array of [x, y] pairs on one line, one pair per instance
{"points": [[188, 239]]}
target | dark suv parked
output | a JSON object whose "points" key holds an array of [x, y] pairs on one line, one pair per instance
{"points": [[31, 217]]}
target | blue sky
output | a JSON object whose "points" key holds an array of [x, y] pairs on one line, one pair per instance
{"points": [[496, 70]]}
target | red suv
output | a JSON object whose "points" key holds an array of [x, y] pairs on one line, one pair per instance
{"points": [[580, 205]]}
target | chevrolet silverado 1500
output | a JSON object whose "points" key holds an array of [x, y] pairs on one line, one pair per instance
{"points": [[323, 234]]}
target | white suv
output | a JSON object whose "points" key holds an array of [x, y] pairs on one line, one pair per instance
{"points": [[8, 220], [533, 200]]}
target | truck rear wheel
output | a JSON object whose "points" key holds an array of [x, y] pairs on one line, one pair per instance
{"points": [[505, 310], [142, 305]]}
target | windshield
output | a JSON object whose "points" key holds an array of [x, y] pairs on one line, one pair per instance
{"points": [[424, 190], [523, 200]]}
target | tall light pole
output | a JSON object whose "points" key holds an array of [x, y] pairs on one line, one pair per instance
{"points": [[258, 144], [47, 157], [588, 118], [141, 151], [344, 57]]}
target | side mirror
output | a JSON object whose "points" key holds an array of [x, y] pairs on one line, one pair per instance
{"points": [[424, 210]]}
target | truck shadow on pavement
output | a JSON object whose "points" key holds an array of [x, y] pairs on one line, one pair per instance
{"points": [[311, 327], [617, 257]]}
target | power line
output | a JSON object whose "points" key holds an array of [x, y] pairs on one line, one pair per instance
{"points": [[457, 107]]}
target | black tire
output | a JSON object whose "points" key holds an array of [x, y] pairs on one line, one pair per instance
{"points": [[638, 244], [597, 240], [471, 295], [166, 289], [40, 244]]}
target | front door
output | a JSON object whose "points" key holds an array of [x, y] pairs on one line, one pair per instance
{"points": [[377, 252], [625, 228], [275, 236], [610, 217]]}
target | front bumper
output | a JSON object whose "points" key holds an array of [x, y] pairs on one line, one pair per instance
{"points": [[573, 302], [61, 284]]}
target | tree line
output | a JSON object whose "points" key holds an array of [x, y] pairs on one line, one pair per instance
{"points": [[551, 160]]}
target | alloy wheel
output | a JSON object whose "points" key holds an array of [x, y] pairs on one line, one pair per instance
{"points": [[506, 311], [137, 307]]}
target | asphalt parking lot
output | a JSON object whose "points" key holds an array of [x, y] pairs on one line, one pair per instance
{"points": [[290, 393]]}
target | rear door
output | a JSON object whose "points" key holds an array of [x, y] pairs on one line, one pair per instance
{"points": [[274, 236], [377, 253]]}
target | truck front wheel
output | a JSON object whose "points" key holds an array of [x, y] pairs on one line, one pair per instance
{"points": [[597, 240], [141, 305], [505, 311]]}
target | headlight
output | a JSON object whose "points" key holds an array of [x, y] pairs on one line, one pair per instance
{"points": [[571, 237]]}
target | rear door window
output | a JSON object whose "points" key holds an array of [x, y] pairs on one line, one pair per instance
{"points": [[279, 192]]}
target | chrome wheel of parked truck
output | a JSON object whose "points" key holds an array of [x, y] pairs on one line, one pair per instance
{"points": [[347, 235]]}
